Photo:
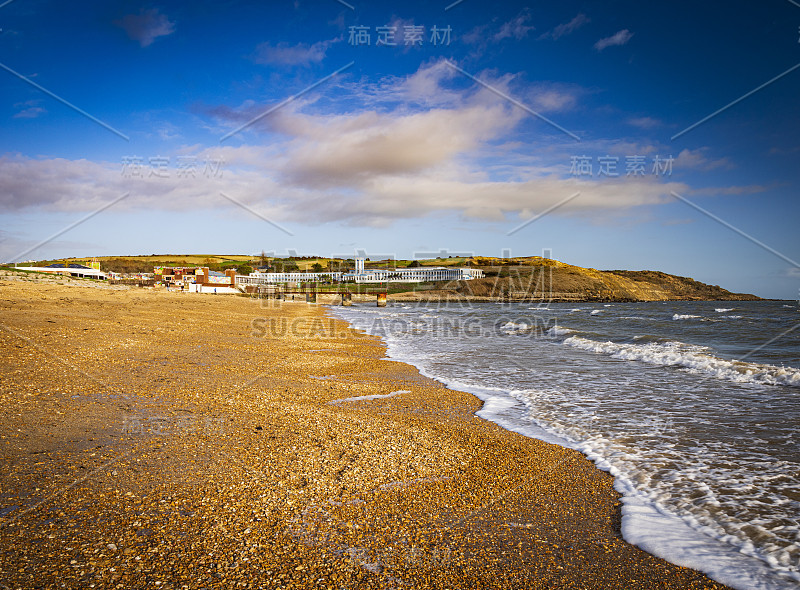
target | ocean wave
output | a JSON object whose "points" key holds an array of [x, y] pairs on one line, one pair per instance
{"points": [[723, 309], [696, 359], [679, 316], [596, 311], [517, 328], [559, 331]]}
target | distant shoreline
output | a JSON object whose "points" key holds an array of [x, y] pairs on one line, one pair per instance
{"points": [[412, 296]]}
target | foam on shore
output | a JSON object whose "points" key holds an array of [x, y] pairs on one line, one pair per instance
{"points": [[365, 398], [645, 524]]}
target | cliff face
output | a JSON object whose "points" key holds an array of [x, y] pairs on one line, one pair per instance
{"points": [[539, 278]]}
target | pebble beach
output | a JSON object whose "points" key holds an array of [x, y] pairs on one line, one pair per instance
{"points": [[154, 439]]}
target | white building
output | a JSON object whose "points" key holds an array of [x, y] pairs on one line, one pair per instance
{"points": [[274, 278], [365, 275], [416, 275], [74, 270]]}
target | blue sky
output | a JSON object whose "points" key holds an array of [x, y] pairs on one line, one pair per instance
{"points": [[433, 143]]}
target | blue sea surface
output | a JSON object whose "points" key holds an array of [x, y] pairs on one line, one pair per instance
{"points": [[694, 408]]}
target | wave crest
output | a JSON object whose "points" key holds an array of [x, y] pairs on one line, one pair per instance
{"points": [[696, 359]]}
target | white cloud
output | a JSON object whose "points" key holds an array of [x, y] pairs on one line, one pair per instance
{"points": [[645, 122], [291, 55], [567, 28], [697, 159], [30, 113], [750, 189], [425, 85], [551, 98], [362, 166], [476, 36], [80, 185], [394, 197], [29, 109], [168, 132], [373, 193], [516, 28], [146, 26], [619, 38]]}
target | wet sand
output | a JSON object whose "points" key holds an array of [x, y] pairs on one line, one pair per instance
{"points": [[169, 440]]}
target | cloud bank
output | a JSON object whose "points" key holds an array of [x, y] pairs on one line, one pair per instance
{"points": [[365, 166]]}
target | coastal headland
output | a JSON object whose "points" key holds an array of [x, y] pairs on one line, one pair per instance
{"points": [[158, 439], [524, 278]]}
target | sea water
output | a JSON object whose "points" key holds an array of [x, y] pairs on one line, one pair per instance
{"points": [[694, 407]]}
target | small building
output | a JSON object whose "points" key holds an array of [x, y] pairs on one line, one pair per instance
{"points": [[73, 270], [212, 278], [175, 275]]}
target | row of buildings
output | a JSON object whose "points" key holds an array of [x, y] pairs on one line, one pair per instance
{"points": [[364, 275], [185, 276]]}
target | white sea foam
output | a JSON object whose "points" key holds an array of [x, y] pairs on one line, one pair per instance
{"points": [[645, 523], [687, 316], [364, 398], [516, 328], [723, 309], [595, 311], [560, 331], [649, 527], [695, 359]]}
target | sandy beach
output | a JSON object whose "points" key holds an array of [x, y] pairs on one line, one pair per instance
{"points": [[175, 440]]}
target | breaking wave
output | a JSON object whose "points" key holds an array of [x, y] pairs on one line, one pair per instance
{"points": [[695, 359]]}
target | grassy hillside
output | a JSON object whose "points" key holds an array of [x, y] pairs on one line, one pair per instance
{"points": [[135, 264], [536, 277]]}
